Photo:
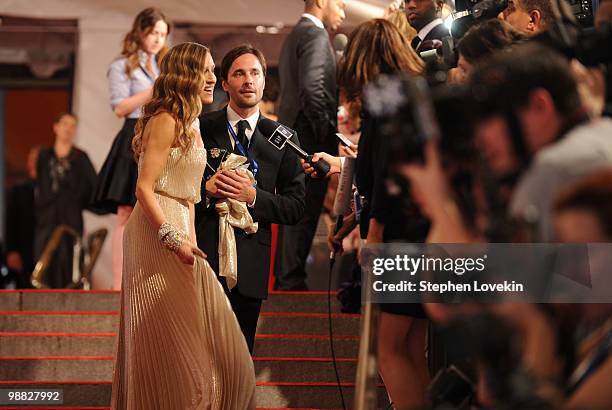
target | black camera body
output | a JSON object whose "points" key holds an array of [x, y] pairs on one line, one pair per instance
{"points": [[583, 10], [402, 109]]}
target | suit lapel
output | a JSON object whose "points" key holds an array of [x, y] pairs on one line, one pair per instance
{"points": [[217, 134], [264, 154]]}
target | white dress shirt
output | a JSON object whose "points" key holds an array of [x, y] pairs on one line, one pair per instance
{"points": [[233, 118], [315, 20]]}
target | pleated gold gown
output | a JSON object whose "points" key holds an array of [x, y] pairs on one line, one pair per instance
{"points": [[180, 345]]}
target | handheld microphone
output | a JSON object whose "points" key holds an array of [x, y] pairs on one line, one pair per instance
{"points": [[279, 136], [340, 42]]}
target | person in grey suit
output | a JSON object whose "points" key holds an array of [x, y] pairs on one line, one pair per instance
{"points": [[308, 104], [276, 197]]}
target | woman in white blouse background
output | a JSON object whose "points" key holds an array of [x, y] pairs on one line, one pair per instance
{"points": [[131, 79]]}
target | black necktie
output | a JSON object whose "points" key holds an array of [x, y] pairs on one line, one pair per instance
{"points": [[242, 138], [415, 43]]}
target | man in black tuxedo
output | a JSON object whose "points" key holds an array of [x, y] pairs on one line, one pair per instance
{"points": [[424, 17], [277, 197], [309, 105]]}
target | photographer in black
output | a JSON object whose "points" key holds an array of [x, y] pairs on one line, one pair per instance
{"points": [[531, 124]]}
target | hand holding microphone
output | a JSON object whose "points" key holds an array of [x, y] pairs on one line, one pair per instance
{"points": [[320, 166], [347, 148], [279, 136], [334, 163]]}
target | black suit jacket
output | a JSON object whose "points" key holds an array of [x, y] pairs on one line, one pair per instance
{"points": [[437, 33], [20, 223], [280, 200], [308, 96]]}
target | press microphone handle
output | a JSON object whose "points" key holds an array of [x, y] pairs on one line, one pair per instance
{"points": [[321, 167]]}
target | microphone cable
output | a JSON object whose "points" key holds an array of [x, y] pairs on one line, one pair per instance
{"points": [[332, 260]]}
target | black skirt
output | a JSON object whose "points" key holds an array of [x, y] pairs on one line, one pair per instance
{"points": [[404, 309], [118, 176]]}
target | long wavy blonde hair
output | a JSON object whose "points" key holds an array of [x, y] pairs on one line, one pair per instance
{"points": [[143, 24], [177, 92]]}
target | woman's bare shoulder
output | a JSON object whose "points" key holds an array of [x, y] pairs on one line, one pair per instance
{"points": [[162, 119], [160, 128]]}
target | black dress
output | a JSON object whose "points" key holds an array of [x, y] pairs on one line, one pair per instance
{"points": [[118, 176], [63, 190], [398, 213]]}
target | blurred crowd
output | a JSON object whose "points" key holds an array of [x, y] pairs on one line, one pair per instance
{"points": [[491, 127]]}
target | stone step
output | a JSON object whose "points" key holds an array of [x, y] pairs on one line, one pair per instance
{"points": [[92, 368], [311, 302], [303, 371], [58, 368], [308, 323], [308, 396], [107, 301], [59, 300], [103, 344], [10, 300], [57, 344], [67, 322], [107, 322], [305, 346], [83, 395]]}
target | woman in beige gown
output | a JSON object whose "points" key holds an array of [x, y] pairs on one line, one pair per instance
{"points": [[180, 346]]}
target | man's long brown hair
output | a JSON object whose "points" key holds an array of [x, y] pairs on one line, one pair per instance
{"points": [[375, 47], [177, 92], [143, 24]]}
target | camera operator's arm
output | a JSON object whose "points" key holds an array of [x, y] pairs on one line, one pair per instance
{"points": [[429, 185]]}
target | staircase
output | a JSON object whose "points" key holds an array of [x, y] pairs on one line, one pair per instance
{"points": [[62, 339]]}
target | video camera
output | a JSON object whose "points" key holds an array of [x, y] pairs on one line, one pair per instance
{"points": [[571, 34]]}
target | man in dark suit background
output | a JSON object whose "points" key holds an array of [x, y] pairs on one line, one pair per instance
{"points": [[309, 105], [424, 16], [277, 197], [20, 225]]}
